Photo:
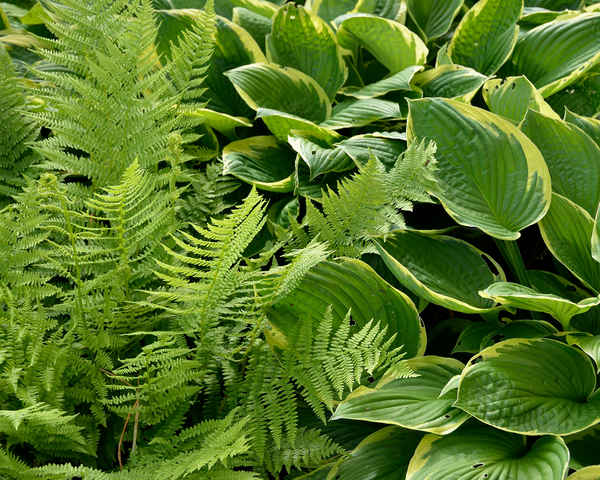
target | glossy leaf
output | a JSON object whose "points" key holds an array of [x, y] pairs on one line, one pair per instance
{"points": [[567, 232], [591, 346], [357, 113], [555, 4], [433, 17], [303, 41], [510, 98], [390, 42], [486, 35], [479, 452], [444, 270], [525, 298], [320, 156], [387, 149], [413, 403], [264, 162], [260, 7], [328, 10], [258, 26], [397, 81], [531, 386], [350, 284], [469, 340], [591, 126], [270, 86], [570, 48], [587, 473], [450, 81], [572, 158], [584, 447], [519, 329], [499, 183], [582, 97], [281, 124], [221, 122]]}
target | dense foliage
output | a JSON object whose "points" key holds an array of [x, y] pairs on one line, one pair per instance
{"points": [[336, 241]]}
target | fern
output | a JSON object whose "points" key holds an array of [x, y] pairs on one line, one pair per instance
{"points": [[17, 132]]}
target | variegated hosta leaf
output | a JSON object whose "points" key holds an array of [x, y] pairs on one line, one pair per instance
{"points": [[450, 81], [433, 17]]}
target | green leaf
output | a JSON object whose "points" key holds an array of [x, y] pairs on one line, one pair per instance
{"points": [[444, 270], [349, 284], [486, 35], [273, 87], [281, 125], [469, 340], [390, 42], [582, 97], [587, 473], [596, 237], [567, 231], [301, 40], [383, 455], [264, 162], [555, 4], [387, 149], [221, 122], [584, 447], [314, 189], [591, 346], [519, 329], [533, 16], [413, 403], [281, 212], [531, 386], [319, 154], [571, 156], [591, 126], [477, 451], [260, 7], [357, 113], [329, 10], [476, 187], [510, 98], [518, 296], [172, 25], [450, 81], [433, 17], [397, 81], [570, 48], [258, 26]]}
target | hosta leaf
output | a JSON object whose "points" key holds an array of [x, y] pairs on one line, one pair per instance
{"points": [[410, 402], [477, 451], [510, 98], [591, 126], [518, 296], [450, 81], [567, 232], [584, 447], [555, 4], [258, 26], [233, 47], [281, 124], [172, 25], [591, 346], [386, 149], [477, 189], [596, 237], [444, 270], [221, 122], [531, 386], [433, 17], [587, 473], [469, 340], [350, 284], [571, 155], [319, 154], [390, 42], [302, 40], [357, 113], [314, 189], [486, 35], [331, 9], [533, 16], [281, 211], [519, 329], [260, 7], [582, 97], [273, 87], [397, 81], [383, 455], [264, 162], [391, 9], [570, 46]]}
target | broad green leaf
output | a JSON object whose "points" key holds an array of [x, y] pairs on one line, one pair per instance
{"points": [[444, 270], [281, 125], [314, 189], [281, 212], [570, 48], [533, 16], [433, 17], [390, 9], [172, 25], [260, 7], [555, 4], [383, 455], [397, 81], [571, 155], [591, 346], [450, 81], [258, 26], [519, 329], [587, 473], [486, 35], [582, 97], [477, 451], [531, 386], [302, 40], [567, 231], [264, 162], [444, 335], [233, 47], [328, 10], [390, 42], [469, 340], [499, 183], [596, 237], [357, 113], [591, 126], [285, 89], [413, 403], [319, 154], [350, 284], [386, 149], [221, 122], [518, 296], [584, 447], [510, 98]]}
